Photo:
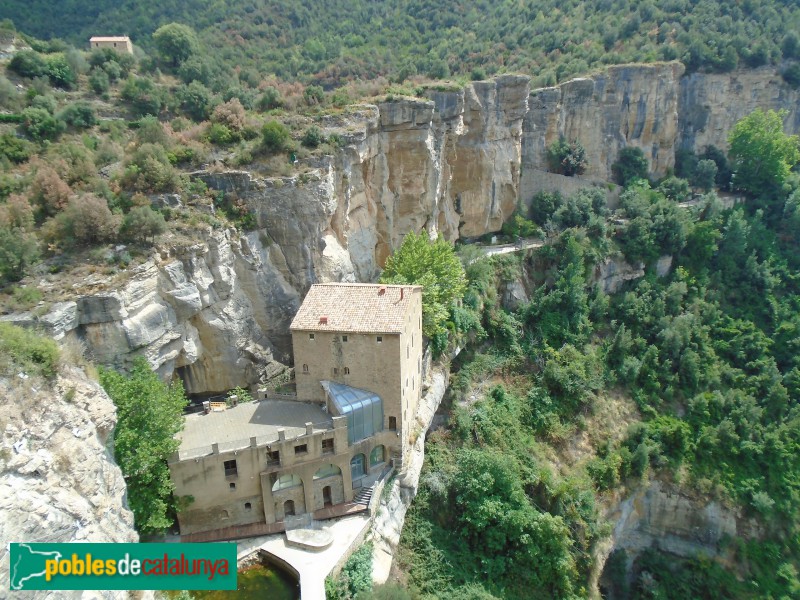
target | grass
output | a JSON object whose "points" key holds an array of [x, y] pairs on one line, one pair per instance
{"points": [[24, 350]]}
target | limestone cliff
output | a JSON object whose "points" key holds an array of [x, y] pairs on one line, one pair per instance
{"points": [[454, 163], [58, 481]]}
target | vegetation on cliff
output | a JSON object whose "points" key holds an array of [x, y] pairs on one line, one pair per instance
{"points": [[149, 414], [703, 364]]}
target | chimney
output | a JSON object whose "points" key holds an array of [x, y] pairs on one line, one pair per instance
{"points": [[381, 291], [309, 428], [323, 320], [401, 292]]}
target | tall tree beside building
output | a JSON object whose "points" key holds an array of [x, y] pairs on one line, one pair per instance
{"points": [[149, 414], [433, 265]]}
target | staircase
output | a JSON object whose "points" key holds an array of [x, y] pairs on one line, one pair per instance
{"points": [[364, 495]]}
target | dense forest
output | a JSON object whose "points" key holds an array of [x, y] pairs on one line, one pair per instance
{"points": [[702, 365], [331, 43]]}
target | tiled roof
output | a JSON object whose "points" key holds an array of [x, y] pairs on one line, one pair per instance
{"points": [[101, 38], [355, 307]]}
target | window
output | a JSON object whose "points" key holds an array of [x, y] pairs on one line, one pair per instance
{"points": [[286, 481], [305, 368], [230, 468], [232, 486], [379, 339], [357, 466], [274, 457], [248, 506], [377, 456], [347, 370], [335, 370], [327, 471], [327, 446], [311, 336], [344, 338], [301, 449], [392, 422]]}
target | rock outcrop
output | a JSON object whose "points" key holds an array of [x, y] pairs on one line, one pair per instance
{"points": [[663, 517], [58, 480], [454, 163]]}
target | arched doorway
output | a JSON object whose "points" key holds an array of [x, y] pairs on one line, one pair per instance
{"points": [[288, 508], [328, 486]]}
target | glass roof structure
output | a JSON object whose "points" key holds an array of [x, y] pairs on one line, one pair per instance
{"points": [[363, 409]]}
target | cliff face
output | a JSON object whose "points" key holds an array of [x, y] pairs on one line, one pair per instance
{"points": [[58, 481], [455, 163]]}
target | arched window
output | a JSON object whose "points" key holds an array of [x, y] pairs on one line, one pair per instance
{"points": [[347, 370], [327, 471], [377, 456], [248, 506], [305, 368], [286, 481], [358, 466]]}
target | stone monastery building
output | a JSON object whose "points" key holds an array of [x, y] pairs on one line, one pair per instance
{"points": [[358, 371]]}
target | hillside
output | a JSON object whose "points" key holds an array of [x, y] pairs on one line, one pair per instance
{"points": [[330, 43], [633, 382]]}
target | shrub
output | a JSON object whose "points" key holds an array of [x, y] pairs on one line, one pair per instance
{"points": [[149, 170], [312, 137], [18, 251], [196, 101], [87, 220], [142, 223], [28, 63], [17, 212], [314, 94], [79, 115], [271, 98], [40, 125], [49, 191], [60, 72], [220, 134], [21, 348], [567, 158], [45, 101], [543, 205], [630, 165], [144, 96], [274, 136], [99, 81], [14, 149], [231, 114]]}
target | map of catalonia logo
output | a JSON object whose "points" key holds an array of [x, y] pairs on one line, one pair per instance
{"points": [[84, 566]]}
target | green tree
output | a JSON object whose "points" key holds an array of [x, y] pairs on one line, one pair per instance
{"points": [[196, 101], [761, 154], [176, 43], [142, 223], [275, 136], [149, 414], [433, 265], [40, 125], [630, 165], [18, 251], [28, 63], [704, 174], [567, 158]]}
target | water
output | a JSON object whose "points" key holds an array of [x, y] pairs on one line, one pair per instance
{"points": [[257, 582]]}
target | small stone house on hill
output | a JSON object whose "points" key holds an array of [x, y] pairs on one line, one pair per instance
{"points": [[119, 43], [358, 369]]}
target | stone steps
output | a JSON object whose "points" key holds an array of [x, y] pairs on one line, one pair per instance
{"points": [[364, 495]]}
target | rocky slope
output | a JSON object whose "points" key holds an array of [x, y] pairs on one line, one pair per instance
{"points": [[58, 481], [455, 163]]}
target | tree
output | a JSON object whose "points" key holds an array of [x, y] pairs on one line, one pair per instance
{"points": [[28, 63], [275, 136], [630, 165], [145, 97], [143, 223], [149, 415], [313, 137], [433, 265], [40, 125], [705, 174], [567, 158], [761, 154], [79, 115], [88, 220], [18, 251], [196, 101], [176, 43]]}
